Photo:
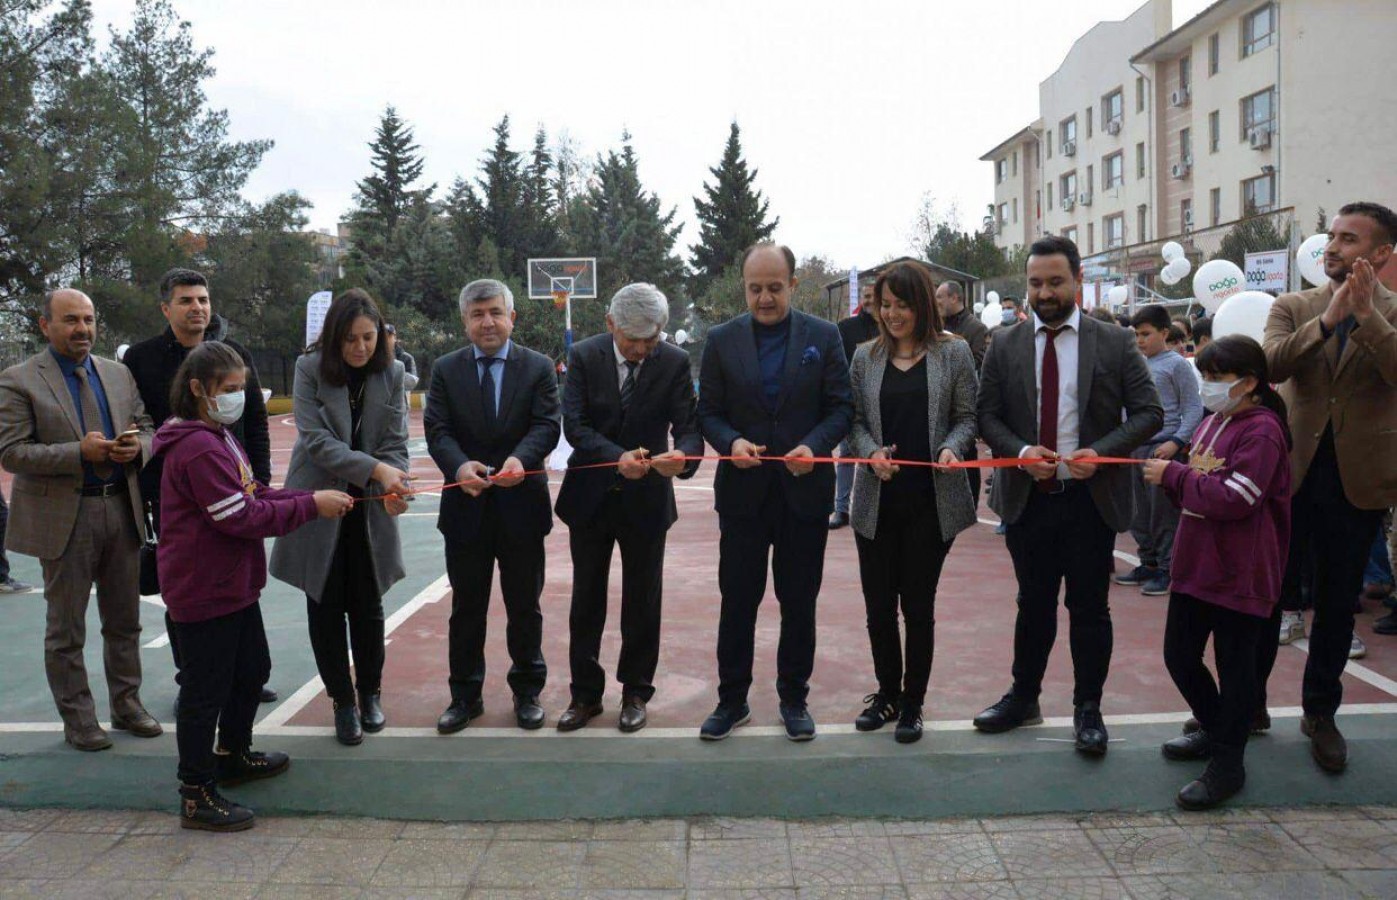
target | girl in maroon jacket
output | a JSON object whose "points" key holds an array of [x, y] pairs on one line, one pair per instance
{"points": [[1229, 555], [214, 517]]}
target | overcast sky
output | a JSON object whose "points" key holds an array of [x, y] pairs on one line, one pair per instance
{"points": [[850, 111]]}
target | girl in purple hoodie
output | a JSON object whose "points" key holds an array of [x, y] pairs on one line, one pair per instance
{"points": [[215, 516], [1229, 557]]}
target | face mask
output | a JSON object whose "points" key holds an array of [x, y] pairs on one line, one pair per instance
{"points": [[1007, 317], [1217, 396], [227, 408]]}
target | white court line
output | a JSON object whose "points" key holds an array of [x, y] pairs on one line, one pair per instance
{"points": [[162, 641], [298, 701], [1358, 670], [1119, 554]]}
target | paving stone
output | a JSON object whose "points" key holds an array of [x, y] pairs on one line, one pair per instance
{"points": [[104, 889], [351, 829], [1251, 847], [9, 840], [710, 829], [783, 893], [1077, 888], [13, 889], [852, 892], [520, 894], [564, 830], [413, 893], [54, 855], [308, 892], [740, 863], [835, 828], [27, 819], [245, 859], [1352, 844], [95, 821], [433, 864], [536, 865], [1150, 851], [1374, 812], [343, 862], [1032, 823], [1125, 820], [1378, 885], [1286, 814], [843, 861], [1253, 886], [640, 830], [1218, 815], [139, 858], [448, 831], [898, 827], [950, 857], [635, 865], [983, 890], [642, 894], [1049, 854]]}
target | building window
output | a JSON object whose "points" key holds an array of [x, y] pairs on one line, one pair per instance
{"points": [[1215, 206], [1113, 171], [1070, 234], [1016, 210], [1258, 194], [1113, 230], [1112, 108], [1140, 94], [1001, 167], [1214, 131], [1068, 186], [1003, 215], [1089, 118], [1067, 132], [1091, 237], [1186, 214], [1186, 72], [1050, 195], [1091, 179], [1140, 160], [1258, 30], [1038, 203], [1186, 146], [1258, 111], [1213, 55], [1050, 145], [1014, 164], [1142, 220]]}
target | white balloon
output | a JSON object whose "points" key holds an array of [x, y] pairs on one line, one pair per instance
{"points": [[1117, 296], [681, 337], [1171, 251], [1309, 259], [121, 351], [992, 297], [1215, 281], [1168, 276], [1244, 313], [1181, 267], [991, 315], [979, 308]]}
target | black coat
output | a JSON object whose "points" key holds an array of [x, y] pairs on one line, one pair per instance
{"points": [[855, 330], [663, 404], [527, 428]]}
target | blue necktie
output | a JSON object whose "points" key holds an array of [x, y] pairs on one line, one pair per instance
{"points": [[487, 388]]}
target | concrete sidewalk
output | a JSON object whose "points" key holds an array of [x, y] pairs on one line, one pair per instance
{"points": [[1302, 853]]}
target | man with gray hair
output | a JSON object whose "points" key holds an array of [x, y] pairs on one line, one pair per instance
{"points": [[491, 421], [627, 394]]}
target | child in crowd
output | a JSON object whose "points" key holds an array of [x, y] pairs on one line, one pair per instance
{"points": [[212, 570], [1177, 340], [1231, 552], [1155, 518]]}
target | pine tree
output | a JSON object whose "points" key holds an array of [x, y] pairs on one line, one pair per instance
{"points": [[500, 205], [539, 225], [731, 218], [386, 195]]}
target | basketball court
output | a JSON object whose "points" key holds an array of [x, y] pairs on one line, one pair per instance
{"points": [[493, 770]]}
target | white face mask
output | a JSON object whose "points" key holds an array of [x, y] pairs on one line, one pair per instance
{"points": [[1217, 396], [227, 408]]}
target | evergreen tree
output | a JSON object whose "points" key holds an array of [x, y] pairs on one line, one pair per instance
{"points": [[731, 218], [539, 205], [499, 209], [386, 195]]}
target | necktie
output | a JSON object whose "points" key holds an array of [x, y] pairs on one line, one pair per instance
{"points": [[91, 417], [1047, 394], [487, 389], [628, 386]]}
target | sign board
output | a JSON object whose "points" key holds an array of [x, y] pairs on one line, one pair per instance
{"points": [[1268, 271], [316, 308], [853, 290]]}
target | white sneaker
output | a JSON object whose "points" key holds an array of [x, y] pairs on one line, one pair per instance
{"points": [[1356, 650], [1292, 627]]}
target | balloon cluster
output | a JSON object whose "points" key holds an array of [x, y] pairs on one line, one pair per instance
{"points": [[1176, 264], [1309, 259], [990, 313]]}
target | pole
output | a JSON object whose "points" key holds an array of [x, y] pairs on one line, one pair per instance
{"points": [[567, 324]]}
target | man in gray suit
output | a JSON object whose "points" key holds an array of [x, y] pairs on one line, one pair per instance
{"points": [[73, 432], [1053, 389]]}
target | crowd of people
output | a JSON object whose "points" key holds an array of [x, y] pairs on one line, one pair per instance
{"points": [[1276, 492]]}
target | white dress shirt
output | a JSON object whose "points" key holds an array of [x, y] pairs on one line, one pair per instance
{"points": [[1068, 418], [621, 369]]}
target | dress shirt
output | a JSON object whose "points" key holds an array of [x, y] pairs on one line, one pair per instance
{"points": [[621, 367], [1068, 418], [503, 353], [106, 426]]}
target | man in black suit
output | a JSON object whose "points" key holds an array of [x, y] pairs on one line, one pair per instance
{"points": [[627, 391], [491, 421], [1053, 389], [773, 382], [860, 326]]}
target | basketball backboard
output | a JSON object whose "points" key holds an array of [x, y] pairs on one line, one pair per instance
{"points": [[577, 276]]}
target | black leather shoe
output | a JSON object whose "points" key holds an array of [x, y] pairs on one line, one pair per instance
{"points": [[1327, 745], [1192, 746], [800, 725], [249, 765], [909, 724], [1260, 723], [88, 738], [1214, 786], [527, 712], [371, 715], [838, 520], [1009, 713], [881, 709], [723, 720], [268, 695], [202, 807], [138, 722], [632, 714], [1089, 728], [349, 728], [577, 715], [459, 714]]}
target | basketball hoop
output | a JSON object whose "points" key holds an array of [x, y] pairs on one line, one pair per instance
{"points": [[560, 299]]}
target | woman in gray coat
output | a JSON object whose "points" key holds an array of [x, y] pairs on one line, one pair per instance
{"points": [[351, 425], [914, 400]]}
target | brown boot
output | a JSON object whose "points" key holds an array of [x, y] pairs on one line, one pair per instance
{"points": [[1327, 745]]}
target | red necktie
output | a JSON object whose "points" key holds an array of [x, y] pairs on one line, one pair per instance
{"points": [[1047, 394]]}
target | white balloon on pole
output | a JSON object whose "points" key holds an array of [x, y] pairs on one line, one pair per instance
{"points": [[1216, 281], [992, 297], [681, 337], [1244, 313], [1117, 296], [1309, 259], [991, 315], [1171, 251]]}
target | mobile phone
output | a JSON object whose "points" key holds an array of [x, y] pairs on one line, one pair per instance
{"points": [[130, 432]]}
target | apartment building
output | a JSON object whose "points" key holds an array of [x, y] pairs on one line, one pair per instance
{"points": [[1245, 108]]}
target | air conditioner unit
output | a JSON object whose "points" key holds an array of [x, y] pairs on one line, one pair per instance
{"points": [[1069, 148], [1113, 126], [1188, 218], [1084, 198], [1068, 203], [1180, 170], [1179, 97], [1259, 138]]}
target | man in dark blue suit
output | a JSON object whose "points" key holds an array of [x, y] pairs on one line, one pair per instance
{"points": [[773, 382], [492, 416], [627, 392]]}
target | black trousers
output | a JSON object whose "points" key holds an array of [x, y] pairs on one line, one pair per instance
{"points": [[1224, 708], [350, 596], [223, 664], [470, 567], [796, 549], [1337, 536], [1061, 538], [900, 568], [642, 587], [4, 522]]}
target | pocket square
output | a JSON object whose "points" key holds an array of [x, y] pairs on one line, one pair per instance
{"points": [[811, 354]]}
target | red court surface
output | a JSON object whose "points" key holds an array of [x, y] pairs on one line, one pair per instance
{"points": [[975, 616]]}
